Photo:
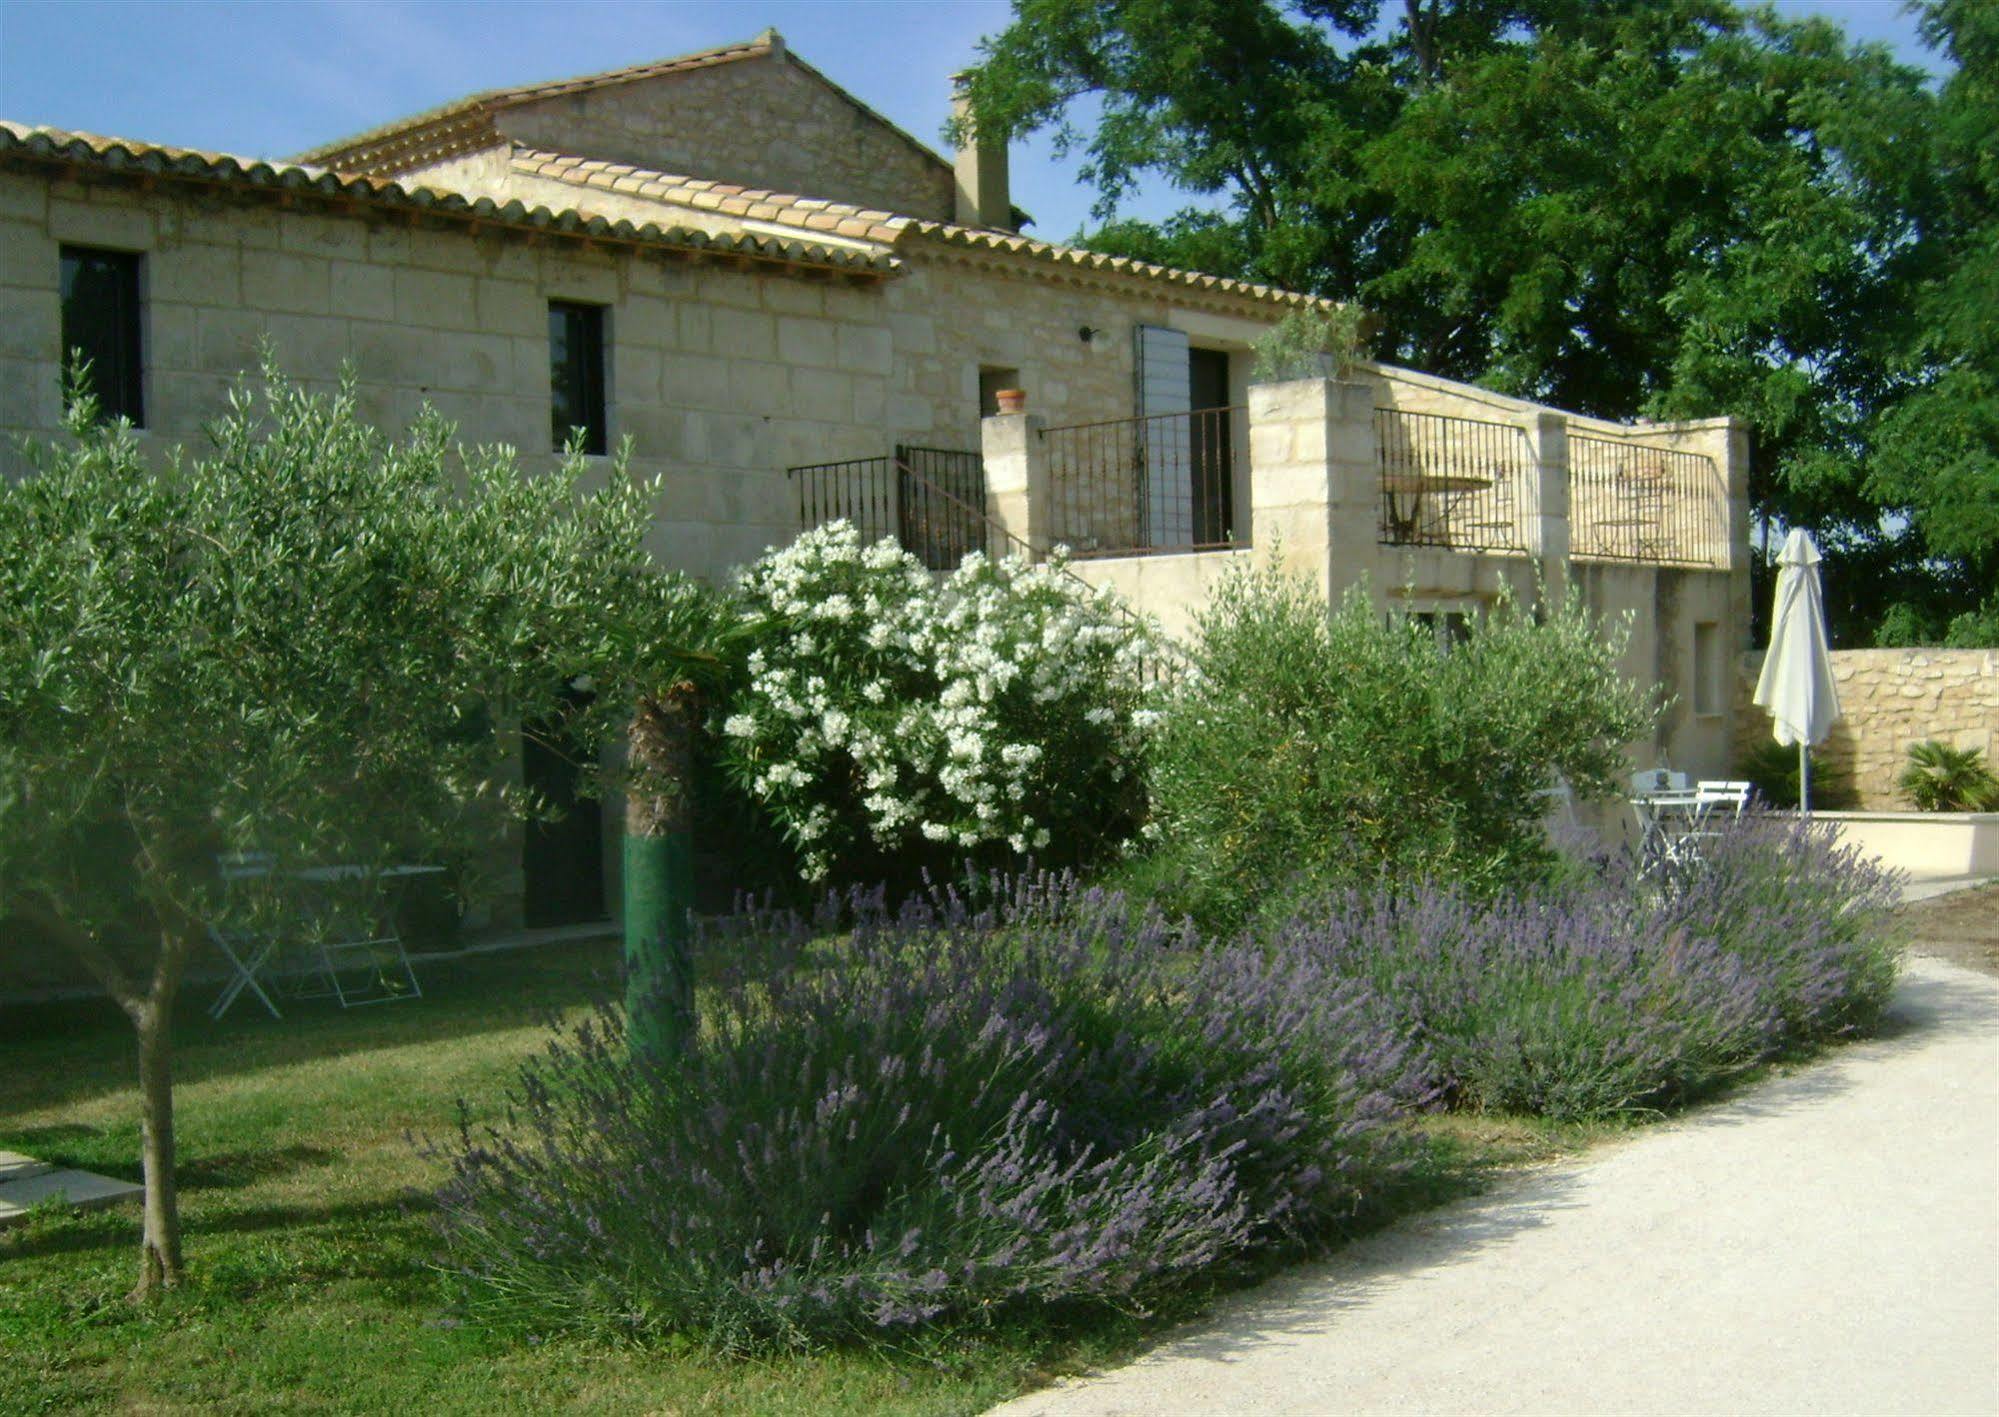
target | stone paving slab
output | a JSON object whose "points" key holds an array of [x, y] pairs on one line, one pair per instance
{"points": [[26, 1183], [14, 1166]]}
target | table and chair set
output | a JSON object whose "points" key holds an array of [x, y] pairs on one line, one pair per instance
{"points": [[323, 932], [1679, 820]]}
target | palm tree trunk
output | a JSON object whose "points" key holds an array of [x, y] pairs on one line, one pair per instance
{"points": [[659, 874]]}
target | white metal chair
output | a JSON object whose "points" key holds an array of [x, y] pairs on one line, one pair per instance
{"points": [[250, 953], [1721, 795], [1717, 805]]}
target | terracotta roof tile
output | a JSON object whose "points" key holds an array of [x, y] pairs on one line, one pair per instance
{"points": [[705, 194], [978, 238], [884, 228], [24, 143]]}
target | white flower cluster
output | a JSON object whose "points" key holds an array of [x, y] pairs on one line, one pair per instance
{"points": [[999, 703]]}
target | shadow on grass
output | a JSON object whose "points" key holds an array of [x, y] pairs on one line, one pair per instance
{"points": [[65, 1052], [55, 1134], [68, 1051], [232, 1169], [59, 1234]]}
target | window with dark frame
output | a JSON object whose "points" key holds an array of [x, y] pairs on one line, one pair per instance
{"points": [[1449, 628], [101, 324], [576, 375]]}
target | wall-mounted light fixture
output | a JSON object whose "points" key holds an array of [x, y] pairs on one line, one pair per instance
{"points": [[1085, 333]]}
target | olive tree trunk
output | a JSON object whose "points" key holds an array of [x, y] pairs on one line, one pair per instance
{"points": [[659, 874], [159, 1241], [151, 1011]]}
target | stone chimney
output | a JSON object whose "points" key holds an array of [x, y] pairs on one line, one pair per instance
{"points": [[980, 167]]}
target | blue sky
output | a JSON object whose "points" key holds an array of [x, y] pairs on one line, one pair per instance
{"points": [[267, 78]]}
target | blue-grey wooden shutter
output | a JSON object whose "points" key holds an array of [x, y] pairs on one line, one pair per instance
{"points": [[1165, 449]]}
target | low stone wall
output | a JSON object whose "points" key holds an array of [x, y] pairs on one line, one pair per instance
{"points": [[1890, 698]]}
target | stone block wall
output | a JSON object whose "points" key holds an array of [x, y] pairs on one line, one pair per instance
{"points": [[1889, 699], [763, 122], [721, 378]]}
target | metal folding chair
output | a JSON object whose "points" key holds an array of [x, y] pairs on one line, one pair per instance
{"points": [[250, 952]]}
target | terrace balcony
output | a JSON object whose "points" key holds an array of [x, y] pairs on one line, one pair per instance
{"points": [[1430, 490]]}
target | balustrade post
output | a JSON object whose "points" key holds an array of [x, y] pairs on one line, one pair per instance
{"points": [[1547, 511], [1313, 478], [1016, 457], [1731, 455]]}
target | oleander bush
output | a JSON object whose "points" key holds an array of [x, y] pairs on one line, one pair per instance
{"points": [[1053, 1101], [1598, 995], [892, 721], [1312, 747]]}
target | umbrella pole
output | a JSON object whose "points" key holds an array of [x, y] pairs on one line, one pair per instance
{"points": [[1804, 780]]}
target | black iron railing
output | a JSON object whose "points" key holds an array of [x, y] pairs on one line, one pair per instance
{"points": [[931, 500], [1633, 502], [1451, 482], [858, 490], [941, 496], [1128, 486], [941, 517]]}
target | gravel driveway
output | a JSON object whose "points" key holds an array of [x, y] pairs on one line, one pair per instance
{"points": [[1827, 1243]]}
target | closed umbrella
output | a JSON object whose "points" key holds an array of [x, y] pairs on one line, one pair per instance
{"points": [[1796, 685]]}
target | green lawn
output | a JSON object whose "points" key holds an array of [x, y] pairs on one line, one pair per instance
{"points": [[309, 1247]]}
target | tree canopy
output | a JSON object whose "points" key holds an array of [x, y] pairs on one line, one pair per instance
{"points": [[1659, 208], [305, 647]]}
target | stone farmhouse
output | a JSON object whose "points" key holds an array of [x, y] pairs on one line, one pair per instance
{"points": [[793, 310]]}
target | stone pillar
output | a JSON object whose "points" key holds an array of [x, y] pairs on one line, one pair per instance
{"points": [[1546, 515], [1017, 478], [1313, 479], [1731, 454]]}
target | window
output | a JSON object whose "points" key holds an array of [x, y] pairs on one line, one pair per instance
{"points": [[1707, 667], [1449, 627], [576, 375], [100, 318]]}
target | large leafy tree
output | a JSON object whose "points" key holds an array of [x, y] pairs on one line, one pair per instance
{"points": [[1935, 448], [305, 645], [1668, 208]]}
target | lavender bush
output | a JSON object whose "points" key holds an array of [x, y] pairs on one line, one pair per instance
{"points": [[1599, 996], [1812, 920], [955, 1113]]}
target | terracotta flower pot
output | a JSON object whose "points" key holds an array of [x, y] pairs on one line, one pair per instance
{"points": [[1011, 400]]}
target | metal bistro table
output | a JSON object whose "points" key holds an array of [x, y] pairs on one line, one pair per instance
{"points": [[359, 958], [1406, 492]]}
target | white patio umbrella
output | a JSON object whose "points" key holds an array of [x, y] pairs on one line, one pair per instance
{"points": [[1796, 684]]}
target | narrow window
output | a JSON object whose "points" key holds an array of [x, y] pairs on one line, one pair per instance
{"points": [[1707, 667], [576, 375], [1449, 628], [100, 324]]}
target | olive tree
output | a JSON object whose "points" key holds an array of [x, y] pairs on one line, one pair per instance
{"points": [[306, 643]]}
